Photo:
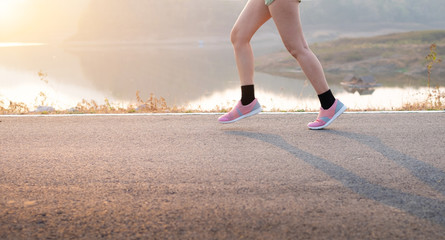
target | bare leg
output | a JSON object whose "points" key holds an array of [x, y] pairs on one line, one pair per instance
{"points": [[286, 16], [254, 15]]}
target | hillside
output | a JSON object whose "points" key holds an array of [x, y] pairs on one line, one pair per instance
{"points": [[116, 20], [340, 12], [120, 20], [391, 57]]}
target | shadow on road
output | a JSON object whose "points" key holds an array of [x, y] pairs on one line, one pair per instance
{"points": [[422, 207], [430, 175]]}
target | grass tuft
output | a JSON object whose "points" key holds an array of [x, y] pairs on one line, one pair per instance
{"points": [[434, 100]]}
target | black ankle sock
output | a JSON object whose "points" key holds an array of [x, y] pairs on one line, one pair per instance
{"points": [[247, 94], [327, 99]]}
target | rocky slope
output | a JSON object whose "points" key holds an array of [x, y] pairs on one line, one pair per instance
{"points": [[395, 54]]}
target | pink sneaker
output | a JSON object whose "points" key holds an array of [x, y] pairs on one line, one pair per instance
{"points": [[239, 112], [326, 117]]}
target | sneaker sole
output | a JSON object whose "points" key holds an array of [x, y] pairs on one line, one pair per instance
{"points": [[256, 111], [332, 119]]}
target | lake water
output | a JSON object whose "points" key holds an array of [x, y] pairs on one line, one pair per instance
{"points": [[194, 75]]}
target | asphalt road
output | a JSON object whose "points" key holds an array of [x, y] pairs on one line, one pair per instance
{"points": [[368, 176]]}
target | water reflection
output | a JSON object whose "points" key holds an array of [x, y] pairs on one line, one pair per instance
{"points": [[363, 85], [198, 76], [178, 75], [391, 98], [19, 44]]}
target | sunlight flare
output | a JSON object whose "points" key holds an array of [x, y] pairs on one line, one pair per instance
{"points": [[9, 8]]}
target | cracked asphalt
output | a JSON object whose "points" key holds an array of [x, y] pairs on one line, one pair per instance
{"points": [[368, 176]]}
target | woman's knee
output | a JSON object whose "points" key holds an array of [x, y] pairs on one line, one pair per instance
{"points": [[238, 37], [297, 50]]}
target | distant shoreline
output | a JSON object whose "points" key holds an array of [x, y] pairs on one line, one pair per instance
{"points": [[386, 55]]}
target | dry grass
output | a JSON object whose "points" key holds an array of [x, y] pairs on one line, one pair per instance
{"points": [[434, 100], [14, 108], [151, 105]]}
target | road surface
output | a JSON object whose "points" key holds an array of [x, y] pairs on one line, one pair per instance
{"points": [[368, 176]]}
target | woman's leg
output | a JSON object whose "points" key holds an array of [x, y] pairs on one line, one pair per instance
{"points": [[286, 16], [254, 15]]}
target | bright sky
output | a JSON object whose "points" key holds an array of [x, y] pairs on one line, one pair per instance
{"points": [[39, 20], [10, 9]]}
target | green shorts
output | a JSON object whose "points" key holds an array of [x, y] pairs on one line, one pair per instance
{"points": [[268, 2]]}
